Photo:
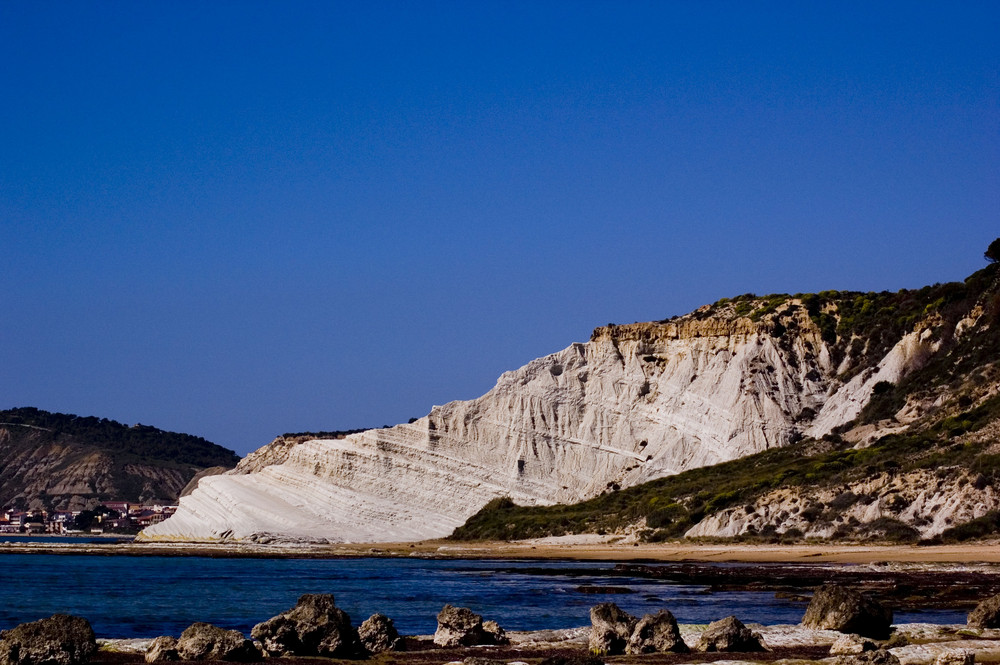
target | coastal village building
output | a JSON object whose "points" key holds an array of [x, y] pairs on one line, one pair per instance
{"points": [[110, 516]]}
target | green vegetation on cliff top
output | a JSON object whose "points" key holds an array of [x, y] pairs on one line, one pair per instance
{"points": [[863, 326], [866, 325], [672, 505]]}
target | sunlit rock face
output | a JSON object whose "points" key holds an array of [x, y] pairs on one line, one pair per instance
{"points": [[635, 403], [918, 498]]}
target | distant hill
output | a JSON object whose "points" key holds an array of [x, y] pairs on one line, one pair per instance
{"points": [[66, 462]]}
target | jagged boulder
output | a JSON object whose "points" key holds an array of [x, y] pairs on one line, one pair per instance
{"points": [[656, 633], [986, 614], [610, 629], [378, 634], [851, 645], [162, 649], [460, 626], [496, 634], [59, 640], [203, 641], [729, 634], [314, 627], [834, 607]]}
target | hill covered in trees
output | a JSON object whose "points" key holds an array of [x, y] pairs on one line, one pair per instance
{"points": [[63, 461]]}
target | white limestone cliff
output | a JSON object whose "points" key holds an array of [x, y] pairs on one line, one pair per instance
{"points": [[635, 403], [908, 354]]}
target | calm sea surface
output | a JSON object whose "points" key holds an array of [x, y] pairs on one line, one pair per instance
{"points": [[129, 596]]}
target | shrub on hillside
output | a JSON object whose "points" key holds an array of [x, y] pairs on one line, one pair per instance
{"points": [[980, 527]]}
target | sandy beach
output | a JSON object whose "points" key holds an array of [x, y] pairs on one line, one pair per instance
{"points": [[570, 547], [811, 553]]}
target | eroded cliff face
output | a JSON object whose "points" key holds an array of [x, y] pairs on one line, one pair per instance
{"points": [[635, 403], [922, 501]]}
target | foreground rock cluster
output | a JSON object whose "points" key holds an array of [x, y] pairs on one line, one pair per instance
{"points": [[614, 632], [203, 641], [59, 640], [460, 626], [316, 627], [833, 607]]}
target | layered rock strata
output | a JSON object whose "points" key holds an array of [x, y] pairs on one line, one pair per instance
{"points": [[635, 403]]}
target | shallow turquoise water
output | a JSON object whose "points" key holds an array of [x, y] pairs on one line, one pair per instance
{"points": [[129, 596]]}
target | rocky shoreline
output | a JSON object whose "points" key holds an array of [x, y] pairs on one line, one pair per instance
{"points": [[790, 645], [841, 626]]}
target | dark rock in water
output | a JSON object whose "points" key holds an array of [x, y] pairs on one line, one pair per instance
{"points": [[899, 588], [581, 658], [203, 641], [314, 627], [59, 640], [656, 633], [610, 629], [588, 588], [729, 634], [877, 657], [460, 626], [834, 607], [986, 614], [378, 634], [162, 649]]}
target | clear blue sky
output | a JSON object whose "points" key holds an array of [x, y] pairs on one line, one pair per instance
{"points": [[237, 219]]}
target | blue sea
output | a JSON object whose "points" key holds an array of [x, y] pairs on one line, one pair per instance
{"points": [[141, 596]]}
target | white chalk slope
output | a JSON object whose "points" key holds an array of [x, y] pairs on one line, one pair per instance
{"points": [[635, 403]]}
